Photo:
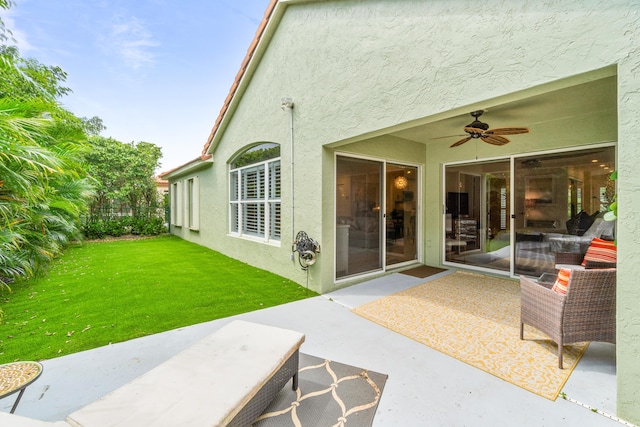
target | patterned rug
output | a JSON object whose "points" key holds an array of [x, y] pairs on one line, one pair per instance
{"points": [[476, 319], [329, 394]]}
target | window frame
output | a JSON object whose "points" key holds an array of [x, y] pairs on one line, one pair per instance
{"points": [[176, 204], [255, 203], [192, 203]]}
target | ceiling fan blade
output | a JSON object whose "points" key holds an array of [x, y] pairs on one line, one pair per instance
{"points": [[494, 139], [448, 136], [462, 141], [507, 131]]}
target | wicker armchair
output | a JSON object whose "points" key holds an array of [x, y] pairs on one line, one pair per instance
{"points": [[586, 313], [575, 258]]}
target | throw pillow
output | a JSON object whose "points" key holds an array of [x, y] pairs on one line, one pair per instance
{"points": [[562, 282], [601, 251]]}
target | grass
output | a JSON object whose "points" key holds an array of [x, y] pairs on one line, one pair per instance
{"points": [[107, 292]]}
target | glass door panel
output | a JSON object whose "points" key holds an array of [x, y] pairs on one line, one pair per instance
{"points": [[359, 238], [400, 221], [560, 199], [558, 203], [477, 223], [498, 232]]}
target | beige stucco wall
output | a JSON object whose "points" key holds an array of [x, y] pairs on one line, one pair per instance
{"points": [[628, 326], [356, 67]]}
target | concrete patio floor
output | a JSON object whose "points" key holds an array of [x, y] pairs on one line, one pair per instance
{"points": [[424, 388]]}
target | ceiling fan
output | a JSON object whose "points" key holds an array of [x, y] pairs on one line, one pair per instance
{"points": [[478, 129]]}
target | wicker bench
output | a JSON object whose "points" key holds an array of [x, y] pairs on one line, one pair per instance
{"points": [[227, 378]]}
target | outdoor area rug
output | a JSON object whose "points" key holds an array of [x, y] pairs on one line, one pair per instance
{"points": [[476, 319], [423, 271], [329, 394]]}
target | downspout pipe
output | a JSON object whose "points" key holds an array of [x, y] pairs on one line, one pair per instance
{"points": [[287, 104]]}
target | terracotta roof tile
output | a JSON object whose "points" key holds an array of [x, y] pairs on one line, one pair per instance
{"points": [[202, 157], [241, 72]]}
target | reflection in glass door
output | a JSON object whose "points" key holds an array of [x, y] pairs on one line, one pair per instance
{"points": [[560, 201], [477, 215], [358, 216], [556, 205], [376, 207], [400, 219]]}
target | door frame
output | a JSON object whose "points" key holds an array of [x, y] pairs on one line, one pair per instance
{"points": [[383, 201], [512, 200]]}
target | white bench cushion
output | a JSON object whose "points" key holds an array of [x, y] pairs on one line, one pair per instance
{"points": [[13, 420], [205, 385]]}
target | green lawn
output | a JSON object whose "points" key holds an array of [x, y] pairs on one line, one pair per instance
{"points": [[107, 292]]}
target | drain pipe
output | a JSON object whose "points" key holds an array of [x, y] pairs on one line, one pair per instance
{"points": [[287, 104]]}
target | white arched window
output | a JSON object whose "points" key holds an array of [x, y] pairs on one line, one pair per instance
{"points": [[254, 193]]}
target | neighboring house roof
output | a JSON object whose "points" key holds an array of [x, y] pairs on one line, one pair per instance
{"points": [[160, 182]]}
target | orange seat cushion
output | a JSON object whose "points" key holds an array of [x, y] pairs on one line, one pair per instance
{"points": [[601, 251]]}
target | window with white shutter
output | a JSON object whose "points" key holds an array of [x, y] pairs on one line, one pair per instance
{"points": [[176, 204], [274, 200], [193, 203], [254, 194]]}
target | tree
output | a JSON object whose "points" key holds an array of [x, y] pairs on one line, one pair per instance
{"points": [[93, 126], [141, 187], [44, 187], [27, 78], [4, 4], [124, 174]]}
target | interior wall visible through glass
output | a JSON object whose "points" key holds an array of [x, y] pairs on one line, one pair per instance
{"points": [[557, 205]]}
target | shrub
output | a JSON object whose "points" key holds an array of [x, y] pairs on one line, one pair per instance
{"points": [[94, 230], [121, 226]]}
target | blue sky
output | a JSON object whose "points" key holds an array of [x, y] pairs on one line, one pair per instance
{"points": [[152, 70]]}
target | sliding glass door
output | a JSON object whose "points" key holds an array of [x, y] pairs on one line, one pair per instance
{"points": [[559, 204], [400, 215], [358, 216], [514, 215], [477, 226], [376, 205]]}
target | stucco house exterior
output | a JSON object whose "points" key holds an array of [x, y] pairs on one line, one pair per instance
{"points": [[340, 124]]}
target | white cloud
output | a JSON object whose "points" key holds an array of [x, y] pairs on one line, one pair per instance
{"points": [[133, 42], [19, 37]]}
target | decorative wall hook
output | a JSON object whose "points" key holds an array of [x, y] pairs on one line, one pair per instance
{"points": [[307, 249]]}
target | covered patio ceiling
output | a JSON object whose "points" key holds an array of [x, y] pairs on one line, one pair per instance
{"points": [[585, 107]]}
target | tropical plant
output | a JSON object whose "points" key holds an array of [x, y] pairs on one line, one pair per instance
{"points": [[43, 190], [612, 214], [44, 187]]}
